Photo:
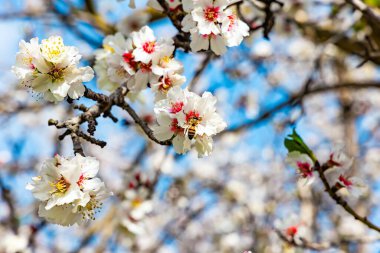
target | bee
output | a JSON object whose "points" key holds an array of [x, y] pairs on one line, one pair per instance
{"points": [[191, 131]]}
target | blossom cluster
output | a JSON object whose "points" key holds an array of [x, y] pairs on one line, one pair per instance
{"points": [[51, 68], [189, 120], [292, 228], [213, 25], [138, 62], [337, 169], [69, 190], [137, 202]]}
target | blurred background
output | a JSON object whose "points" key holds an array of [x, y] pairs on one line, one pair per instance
{"points": [[227, 202]]}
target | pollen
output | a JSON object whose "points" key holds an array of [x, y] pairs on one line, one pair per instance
{"points": [[149, 47], [91, 208], [56, 74], [108, 48], [211, 13], [165, 59], [53, 48], [136, 203], [166, 84], [61, 186]]}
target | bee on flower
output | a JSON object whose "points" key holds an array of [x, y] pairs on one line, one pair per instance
{"points": [[190, 119], [51, 68]]}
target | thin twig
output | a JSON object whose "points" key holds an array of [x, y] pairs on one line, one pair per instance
{"points": [[340, 201]]}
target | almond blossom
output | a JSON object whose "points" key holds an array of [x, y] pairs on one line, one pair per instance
{"points": [[133, 22], [292, 228], [209, 14], [234, 30], [138, 62], [339, 174], [212, 25], [189, 119], [137, 202], [304, 166], [147, 48], [68, 189], [51, 68]]}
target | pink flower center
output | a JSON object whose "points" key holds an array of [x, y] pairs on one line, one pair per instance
{"points": [[191, 116], [345, 181], [291, 231], [232, 19], [176, 107], [130, 60], [149, 47], [211, 13], [146, 68], [174, 127], [81, 180], [305, 169], [166, 84], [331, 161], [131, 185]]}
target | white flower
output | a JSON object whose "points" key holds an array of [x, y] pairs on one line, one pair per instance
{"points": [[114, 64], [62, 215], [133, 22], [292, 228], [24, 58], [166, 82], [339, 159], [188, 23], [104, 83], [166, 63], [339, 174], [137, 202], [304, 166], [51, 68], [349, 185], [208, 13], [57, 183], [135, 62], [204, 42], [56, 82], [191, 119], [147, 48], [233, 29], [15, 243], [68, 189], [188, 5], [54, 51], [212, 26], [77, 212]]}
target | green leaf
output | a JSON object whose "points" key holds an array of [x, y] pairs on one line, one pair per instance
{"points": [[294, 142]]}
